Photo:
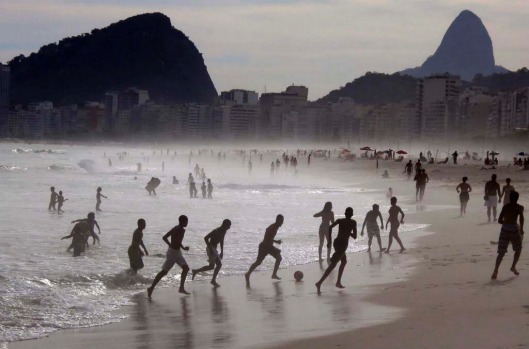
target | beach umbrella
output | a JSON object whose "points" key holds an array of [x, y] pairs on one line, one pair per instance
{"points": [[494, 153], [523, 153], [366, 148], [401, 152]]}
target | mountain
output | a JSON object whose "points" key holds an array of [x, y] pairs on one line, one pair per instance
{"points": [[375, 88], [466, 50], [143, 51]]}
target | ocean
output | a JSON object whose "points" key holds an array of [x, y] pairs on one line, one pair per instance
{"points": [[44, 289]]}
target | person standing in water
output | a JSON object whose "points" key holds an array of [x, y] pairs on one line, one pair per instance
{"points": [[91, 220], [266, 247], [506, 192], [98, 199], [511, 232], [53, 199], [79, 235], [60, 202], [408, 169], [192, 190], [492, 192], [272, 169], [213, 239], [345, 227], [327, 218], [210, 189], [174, 255], [203, 188], [372, 227], [393, 218], [464, 189], [134, 251]]}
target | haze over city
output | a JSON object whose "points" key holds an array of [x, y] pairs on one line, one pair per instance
{"points": [[272, 44]]}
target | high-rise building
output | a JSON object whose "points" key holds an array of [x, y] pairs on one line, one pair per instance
{"points": [[437, 102], [239, 97], [5, 73]]}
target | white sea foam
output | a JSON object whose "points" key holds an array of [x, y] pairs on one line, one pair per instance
{"points": [[43, 288]]}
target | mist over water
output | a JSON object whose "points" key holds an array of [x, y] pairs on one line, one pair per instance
{"points": [[43, 288]]}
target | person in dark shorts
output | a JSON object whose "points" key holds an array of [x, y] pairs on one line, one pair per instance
{"points": [[98, 199], [266, 247], [464, 189], [91, 220], [174, 255], [345, 226], [511, 232], [393, 218], [79, 235], [60, 202], [372, 227], [214, 238], [135, 253]]}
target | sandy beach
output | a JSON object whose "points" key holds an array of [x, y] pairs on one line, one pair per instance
{"points": [[438, 294]]}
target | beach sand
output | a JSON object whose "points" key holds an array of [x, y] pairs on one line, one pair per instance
{"points": [[438, 294]]}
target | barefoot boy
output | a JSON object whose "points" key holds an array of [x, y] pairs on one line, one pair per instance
{"points": [[174, 255]]}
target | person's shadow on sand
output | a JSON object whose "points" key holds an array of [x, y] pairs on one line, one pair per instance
{"points": [[501, 282]]}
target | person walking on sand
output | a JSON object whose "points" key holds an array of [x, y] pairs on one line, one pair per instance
{"points": [[345, 226], [372, 227], [98, 199], [393, 218], [134, 251], [53, 199], [327, 218], [510, 232], [464, 189], [266, 247], [506, 192], [492, 193], [60, 202], [214, 238], [408, 169], [174, 255]]}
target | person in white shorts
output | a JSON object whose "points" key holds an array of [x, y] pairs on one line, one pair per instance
{"points": [[492, 193], [174, 255], [213, 239]]}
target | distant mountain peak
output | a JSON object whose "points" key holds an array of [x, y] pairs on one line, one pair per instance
{"points": [[466, 50]]}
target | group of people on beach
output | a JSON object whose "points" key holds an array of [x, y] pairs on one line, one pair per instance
{"points": [[56, 199]]}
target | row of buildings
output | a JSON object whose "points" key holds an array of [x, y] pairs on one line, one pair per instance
{"points": [[442, 109]]}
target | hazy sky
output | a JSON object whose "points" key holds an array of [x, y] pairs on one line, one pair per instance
{"points": [[250, 44]]}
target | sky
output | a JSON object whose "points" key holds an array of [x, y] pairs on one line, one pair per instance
{"points": [[267, 45]]}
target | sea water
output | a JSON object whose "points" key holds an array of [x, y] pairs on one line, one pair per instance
{"points": [[43, 288]]}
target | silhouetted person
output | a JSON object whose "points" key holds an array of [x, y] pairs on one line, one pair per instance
{"points": [[174, 255], [278, 163], [91, 220], [266, 247], [60, 202], [510, 232], [423, 180], [327, 218], [408, 169], [109, 163], [385, 175], [204, 189], [345, 226], [464, 189], [210, 189], [152, 185], [134, 252], [98, 199], [372, 227], [250, 166], [272, 169], [389, 194], [79, 235], [175, 181], [308, 160], [393, 218], [418, 166], [506, 192], [492, 193], [454, 157], [53, 199], [213, 239], [192, 190]]}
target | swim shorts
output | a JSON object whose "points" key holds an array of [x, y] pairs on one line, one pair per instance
{"points": [[340, 247], [373, 230], [265, 250], [136, 262], [213, 254], [492, 201], [173, 257], [464, 197], [512, 236]]}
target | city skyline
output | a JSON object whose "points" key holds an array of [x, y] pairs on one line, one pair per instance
{"points": [[321, 44]]}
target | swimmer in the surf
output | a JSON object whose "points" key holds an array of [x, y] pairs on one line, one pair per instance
{"points": [[90, 219], [60, 202], [98, 199]]}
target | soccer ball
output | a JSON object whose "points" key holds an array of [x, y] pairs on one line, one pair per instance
{"points": [[298, 275]]}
